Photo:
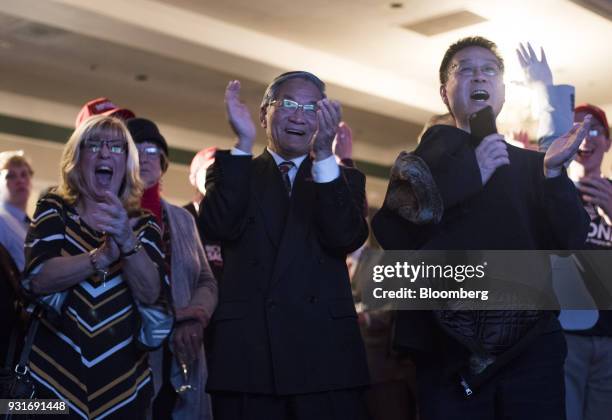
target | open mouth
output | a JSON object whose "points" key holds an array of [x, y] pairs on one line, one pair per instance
{"points": [[104, 175], [295, 132], [479, 95], [585, 153]]}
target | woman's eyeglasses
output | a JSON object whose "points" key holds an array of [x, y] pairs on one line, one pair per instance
{"points": [[117, 147]]}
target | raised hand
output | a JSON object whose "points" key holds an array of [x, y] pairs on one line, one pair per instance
{"points": [[329, 114], [491, 153], [239, 117], [597, 191], [343, 143], [536, 71], [563, 149]]}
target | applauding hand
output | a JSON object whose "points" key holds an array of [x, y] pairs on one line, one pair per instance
{"points": [[239, 117], [563, 149], [329, 114], [597, 191], [111, 217]]}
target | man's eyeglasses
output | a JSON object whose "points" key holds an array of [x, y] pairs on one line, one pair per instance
{"points": [[117, 147], [288, 104], [149, 151], [594, 132], [469, 69]]}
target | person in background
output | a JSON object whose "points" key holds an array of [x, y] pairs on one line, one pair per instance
{"points": [[102, 106], [179, 368], [437, 119], [94, 262], [391, 393], [15, 188], [588, 367], [197, 178]]}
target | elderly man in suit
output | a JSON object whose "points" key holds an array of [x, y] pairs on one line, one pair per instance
{"points": [[286, 342]]}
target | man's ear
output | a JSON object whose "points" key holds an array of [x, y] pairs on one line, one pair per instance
{"points": [[444, 96], [262, 116]]}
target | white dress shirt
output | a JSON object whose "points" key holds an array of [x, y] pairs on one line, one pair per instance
{"points": [[323, 171]]}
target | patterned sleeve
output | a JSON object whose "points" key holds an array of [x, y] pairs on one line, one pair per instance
{"points": [[157, 320], [44, 241]]}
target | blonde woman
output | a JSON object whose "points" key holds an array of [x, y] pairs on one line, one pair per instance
{"points": [[94, 260]]}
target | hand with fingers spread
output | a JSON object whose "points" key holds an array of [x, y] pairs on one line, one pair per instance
{"points": [[563, 149], [536, 71], [491, 153], [343, 143], [239, 117], [597, 191], [329, 114]]}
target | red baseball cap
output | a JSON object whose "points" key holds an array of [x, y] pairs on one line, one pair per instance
{"points": [[596, 112], [102, 106]]}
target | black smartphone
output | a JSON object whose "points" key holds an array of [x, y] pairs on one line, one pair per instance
{"points": [[482, 123]]}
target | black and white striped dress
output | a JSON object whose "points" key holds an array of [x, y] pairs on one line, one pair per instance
{"points": [[88, 350]]}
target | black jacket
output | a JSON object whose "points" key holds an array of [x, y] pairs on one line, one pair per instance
{"points": [[518, 209], [285, 322]]}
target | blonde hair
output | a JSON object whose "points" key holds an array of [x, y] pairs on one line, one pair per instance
{"points": [[14, 158], [72, 185]]}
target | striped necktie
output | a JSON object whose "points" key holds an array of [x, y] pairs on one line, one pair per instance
{"points": [[284, 168]]}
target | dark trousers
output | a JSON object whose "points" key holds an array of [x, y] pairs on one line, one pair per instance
{"points": [[332, 405], [392, 400], [530, 387]]}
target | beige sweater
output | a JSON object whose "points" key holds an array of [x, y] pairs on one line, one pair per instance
{"points": [[193, 285]]}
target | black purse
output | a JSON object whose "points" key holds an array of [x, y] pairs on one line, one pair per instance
{"points": [[16, 383]]}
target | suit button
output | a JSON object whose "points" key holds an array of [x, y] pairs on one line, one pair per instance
{"points": [[321, 260], [271, 304], [313, 299], [254, 263]]}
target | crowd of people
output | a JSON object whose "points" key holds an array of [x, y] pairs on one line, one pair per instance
{"points": [[247, 302]]}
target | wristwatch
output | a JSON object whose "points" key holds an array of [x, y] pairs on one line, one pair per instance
{"points": [[102, 273]]}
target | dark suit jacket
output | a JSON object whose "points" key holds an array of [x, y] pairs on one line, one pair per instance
{"points": [[285, 322]]}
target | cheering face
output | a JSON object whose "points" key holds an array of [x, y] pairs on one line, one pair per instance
{"points": [[291, 120], [17, 181], [102, 164], [591, 152], [475, 80]]}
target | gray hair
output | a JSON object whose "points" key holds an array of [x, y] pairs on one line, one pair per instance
{"points": [[272, 89]]}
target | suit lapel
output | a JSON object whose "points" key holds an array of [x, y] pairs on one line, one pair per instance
{"points": [[298, 220], [271, 196]]}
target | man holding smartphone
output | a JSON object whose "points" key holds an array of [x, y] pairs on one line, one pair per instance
{"points": [[495, 197]]}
